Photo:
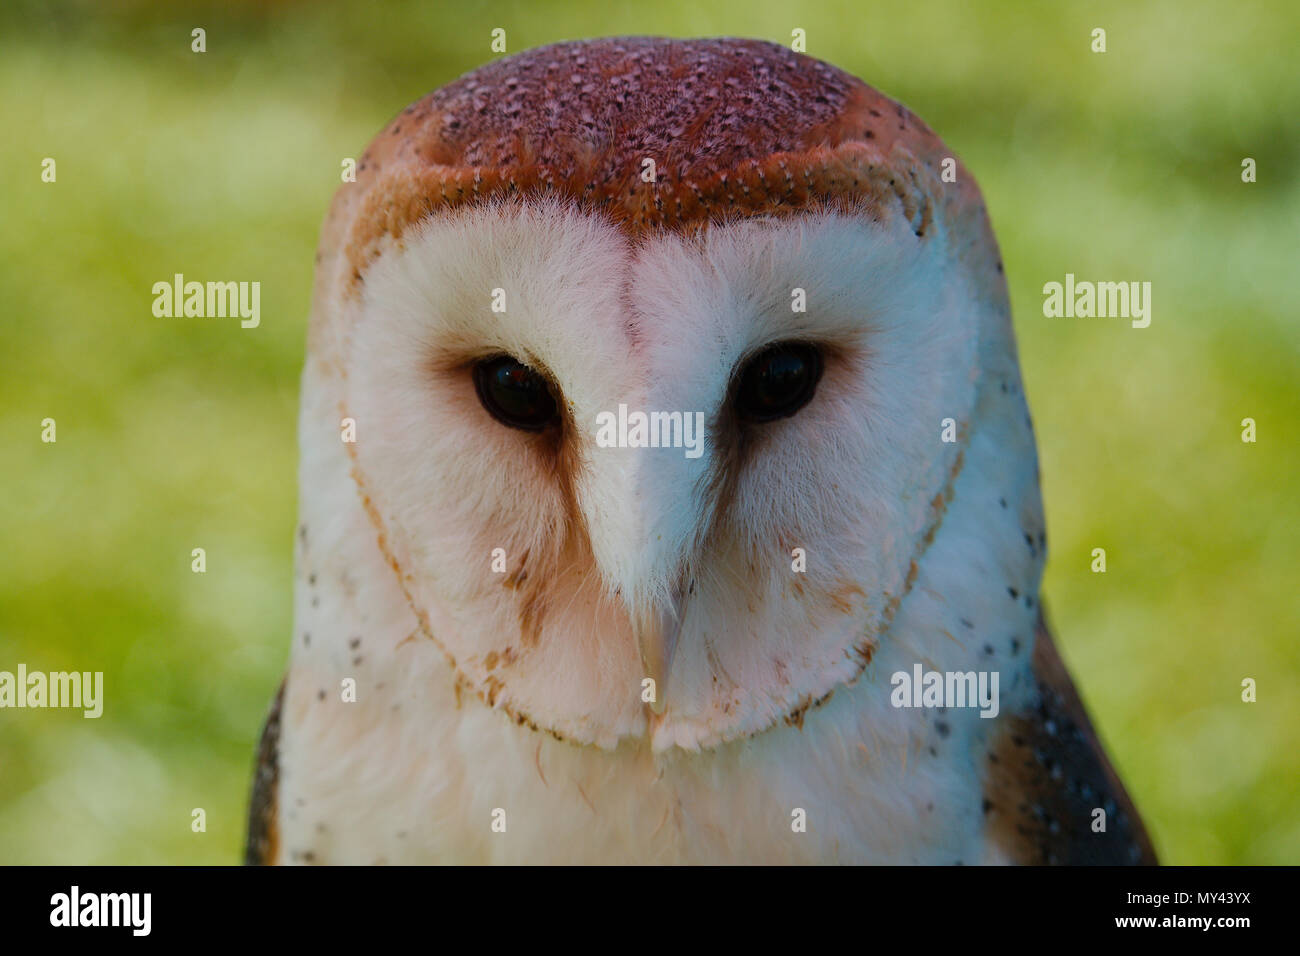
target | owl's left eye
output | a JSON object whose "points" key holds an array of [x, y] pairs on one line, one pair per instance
{"points": [[515, 394], [778, 381]]}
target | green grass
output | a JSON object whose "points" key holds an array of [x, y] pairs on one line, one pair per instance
{"points": [[175, 434]]}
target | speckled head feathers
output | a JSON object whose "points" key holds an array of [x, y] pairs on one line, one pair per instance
{"points": [[734, 128]]}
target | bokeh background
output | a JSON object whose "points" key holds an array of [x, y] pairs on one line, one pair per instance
{"points": [[180, 433]]}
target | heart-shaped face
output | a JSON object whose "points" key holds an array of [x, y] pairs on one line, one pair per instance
{"points": [[658, 448]]}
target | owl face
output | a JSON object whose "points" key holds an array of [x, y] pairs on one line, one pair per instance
{"points": [[747, 580], [797, 278]]}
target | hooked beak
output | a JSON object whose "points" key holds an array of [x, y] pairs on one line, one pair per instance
{"points": [[656, 639]]}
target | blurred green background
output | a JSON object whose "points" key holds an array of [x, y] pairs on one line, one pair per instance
{"points": [[176, 434]]}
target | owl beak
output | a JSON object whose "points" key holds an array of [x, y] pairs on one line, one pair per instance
{"points": [[656, 638]]}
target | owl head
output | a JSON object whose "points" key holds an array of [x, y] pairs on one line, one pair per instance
{"points": [[666, 362]]}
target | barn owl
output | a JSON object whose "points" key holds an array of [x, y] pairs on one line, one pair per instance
{"points": [[517, 643]]}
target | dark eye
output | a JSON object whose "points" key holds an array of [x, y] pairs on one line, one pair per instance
{"points": [[514, 394], [778, 381]]}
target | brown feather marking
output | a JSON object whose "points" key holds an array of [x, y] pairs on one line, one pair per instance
{"points": [[537, 759], [1047, 772], [263, 843]]}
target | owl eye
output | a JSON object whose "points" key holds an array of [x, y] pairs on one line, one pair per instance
{"points": [[778, 381], [514, 394]]}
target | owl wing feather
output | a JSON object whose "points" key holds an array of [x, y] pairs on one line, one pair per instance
{"points": [[263, 841], [1048, 774]]}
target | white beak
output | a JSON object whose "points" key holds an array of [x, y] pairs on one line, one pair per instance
{"points": [[656, 637]]}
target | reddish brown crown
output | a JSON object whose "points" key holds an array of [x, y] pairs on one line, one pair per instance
{"points": [[734, 128]]}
